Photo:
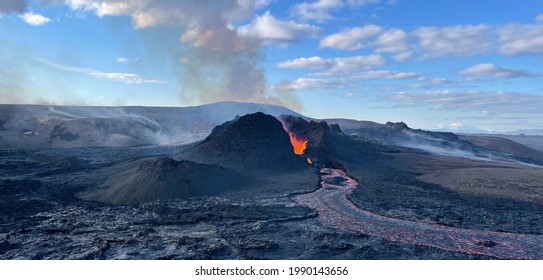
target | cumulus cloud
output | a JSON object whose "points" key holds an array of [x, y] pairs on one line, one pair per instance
{"points": [[34, 19], [520, 39], [539, 18], [488, 69], [318, 10], [338, 64], [392, 41], [121, 59], [13, 6], [458, 40], [273, 31], [430, 42], [352, 38], [499, 102]]}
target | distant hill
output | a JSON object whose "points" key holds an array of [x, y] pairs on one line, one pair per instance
{"points": [[533, 141], [533, 132], [39, 126], [502, 144], [443, 143]]}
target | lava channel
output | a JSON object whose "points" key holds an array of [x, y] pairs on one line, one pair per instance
{"points": [[336, 210]]}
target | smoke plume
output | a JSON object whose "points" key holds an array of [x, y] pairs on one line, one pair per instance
{"points": [[13, 6], [218, 64]]}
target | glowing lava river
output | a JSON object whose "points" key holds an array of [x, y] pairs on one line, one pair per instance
{"points": [[336, 210]]}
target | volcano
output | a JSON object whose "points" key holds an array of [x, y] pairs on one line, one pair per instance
{"points": [[254, 143]]}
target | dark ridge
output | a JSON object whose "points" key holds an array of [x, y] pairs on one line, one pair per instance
{"points": [[252, 143], [165, 178]]}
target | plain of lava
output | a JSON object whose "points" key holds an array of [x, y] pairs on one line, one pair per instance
{"points": [[256, 186]]}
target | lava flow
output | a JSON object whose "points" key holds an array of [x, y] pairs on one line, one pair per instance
{"points": [[335, 209], [298, 144]]}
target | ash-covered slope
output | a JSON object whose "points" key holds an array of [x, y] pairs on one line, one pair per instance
{"points": [[400, 134], [254, 143], [36, 126], [501, 144], [165, 178], [442, 143]]}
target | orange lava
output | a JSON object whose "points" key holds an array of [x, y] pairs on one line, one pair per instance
{"points": [[298, 144]]}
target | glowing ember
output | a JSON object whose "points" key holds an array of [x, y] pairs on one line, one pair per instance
{"points": [[309, 161], [298, 144]]}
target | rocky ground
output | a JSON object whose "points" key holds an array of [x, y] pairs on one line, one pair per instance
{"points": [[47, 210], [203, 228], [42, 218]]}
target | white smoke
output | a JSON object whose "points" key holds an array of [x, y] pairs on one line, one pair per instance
{"points": [[218, 64]]}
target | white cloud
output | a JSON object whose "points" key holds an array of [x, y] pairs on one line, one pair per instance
{"points": [[390, 75], [440, 81], [488, 69], [314, 62], [458, 40], [455, 125], [63, 67], [273, 31], [128, 78], [34, 19], [402, 56], [318, 10], [351, 39], [392, 41], [338, 64], [433, 42], [539, 18], [121, 59], [519, 39], [500, 102], [310, 83], [357, 62], [262, 3]]}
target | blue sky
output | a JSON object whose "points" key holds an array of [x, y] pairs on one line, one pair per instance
{"points": [[455, 65]]}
